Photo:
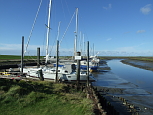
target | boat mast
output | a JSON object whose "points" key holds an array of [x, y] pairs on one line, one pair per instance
{"points": [[83, 46], [76, 32], [93, 50], [58, 30], [48, 31]]}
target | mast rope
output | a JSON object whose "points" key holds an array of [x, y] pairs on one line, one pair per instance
{"points": [[33, 27], [66, 29]]}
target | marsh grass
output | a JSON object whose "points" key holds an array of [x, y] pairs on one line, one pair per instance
{"points": [[41, 98], [150, 59], [140, 58], [11, 57]]}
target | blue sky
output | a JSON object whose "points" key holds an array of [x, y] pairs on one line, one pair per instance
{"points": [[113, 27]]}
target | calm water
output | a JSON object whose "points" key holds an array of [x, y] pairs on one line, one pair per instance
{"points": [[137, 84], [121, 74]]}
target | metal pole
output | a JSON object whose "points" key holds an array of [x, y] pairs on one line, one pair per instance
{"points": [[48, 31], [93, 50], [76, 33], [22, 54], [87, 63], [56, 79], [38, 57], [78, 68]]}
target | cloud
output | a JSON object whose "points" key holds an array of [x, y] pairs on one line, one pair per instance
{"points": [[126, 49], [125, 53], [141, 31], [15, 49], [18, 46], [146, 9], [135, 48], [10, 46], [109, 39], [109, 7]]}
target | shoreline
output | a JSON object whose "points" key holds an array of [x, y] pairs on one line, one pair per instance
{"points": [[129, 94], [147, 65], [127, 103], [131, 99]]}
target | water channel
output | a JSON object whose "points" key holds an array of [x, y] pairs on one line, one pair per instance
{"points": [[140, 77], [136, 82]]}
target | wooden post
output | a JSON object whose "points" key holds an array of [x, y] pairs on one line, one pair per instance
{"points": [[40, 75], [38, 57], [22, 54], [57, 61], [78, 68], [87, 63]]}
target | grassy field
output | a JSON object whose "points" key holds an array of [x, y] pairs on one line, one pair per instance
{"points": [[12, 57], [141, 58], [41, 98]]}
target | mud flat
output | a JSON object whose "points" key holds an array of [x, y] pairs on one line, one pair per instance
{"points": [[140, 64], [126, 97], [129, 101]]}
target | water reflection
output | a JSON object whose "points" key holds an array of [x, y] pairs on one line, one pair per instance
{"points": [[129, 82], [140, 77], [121, 73]]}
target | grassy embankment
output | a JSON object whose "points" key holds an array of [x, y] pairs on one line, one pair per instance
{"points": [[141, 58], [13, 57], [41, 98], [150, 59], [28, 58]]}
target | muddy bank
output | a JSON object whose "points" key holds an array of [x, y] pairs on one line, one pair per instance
{"points": [[140, 64], [126, 96], [127, 101]]}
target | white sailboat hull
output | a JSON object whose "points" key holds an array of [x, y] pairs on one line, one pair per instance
{"points": [[33, 72]]}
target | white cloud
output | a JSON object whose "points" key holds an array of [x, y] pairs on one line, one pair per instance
{"points": [[109, 39], [146, 9], [109, 7], [141, 31], [131, 48], [17, 46], [15, 49], [126, 49]]}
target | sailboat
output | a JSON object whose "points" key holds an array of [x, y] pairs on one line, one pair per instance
{"points": [[65, 73], [93, 64]]}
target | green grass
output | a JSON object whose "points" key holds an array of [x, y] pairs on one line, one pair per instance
{"points": [[41, 98], [11, 57], [141, 58]]}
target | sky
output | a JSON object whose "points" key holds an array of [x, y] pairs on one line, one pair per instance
{"points": [[112, 27]]}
